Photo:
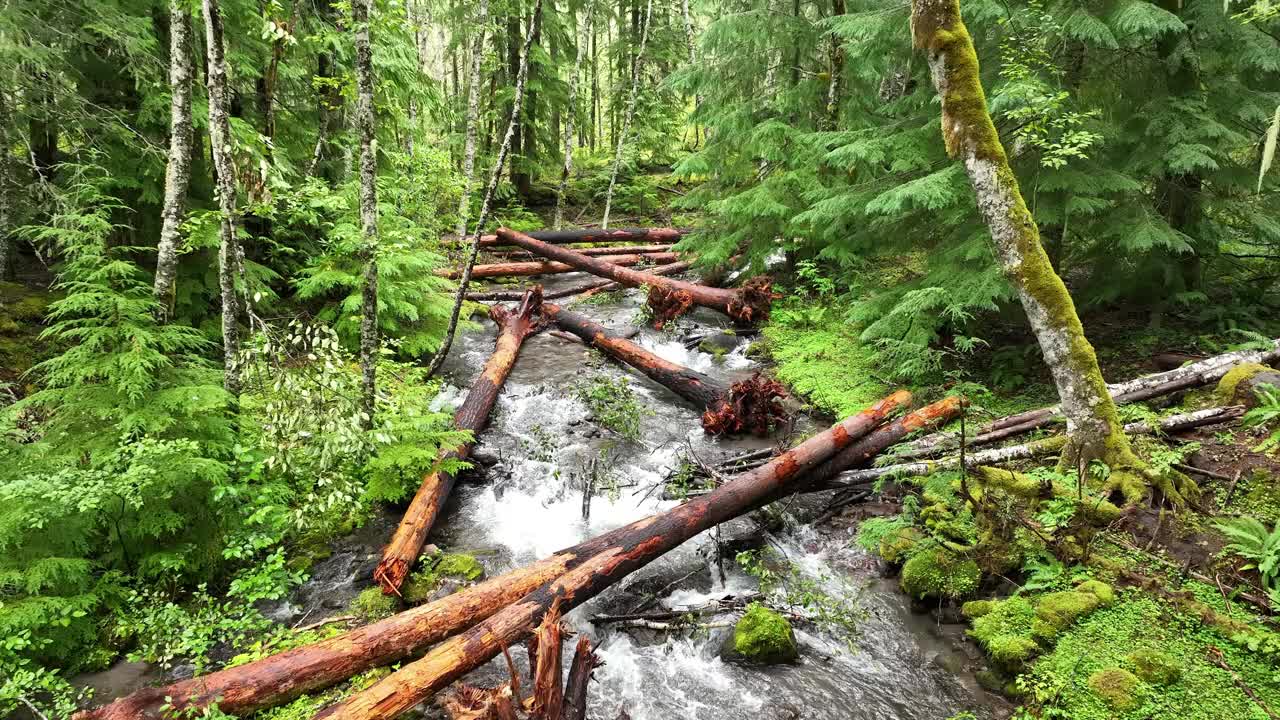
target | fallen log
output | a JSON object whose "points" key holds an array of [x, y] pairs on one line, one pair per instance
{"points": [[1195, 374], [592, 235], [585, 289], [1039, 448], [668, 298], [538, 267], [631, 548], [752, 405], [405, 546], [592, 251], [575, 688]]}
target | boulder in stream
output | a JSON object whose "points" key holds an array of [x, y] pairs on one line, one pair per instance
{"points": [[761, 636]]}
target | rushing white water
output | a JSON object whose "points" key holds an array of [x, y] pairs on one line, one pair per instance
{"points": [[531, 504]]}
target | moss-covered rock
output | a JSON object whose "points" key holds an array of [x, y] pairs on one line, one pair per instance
{"points": [[461, 566], [1058, 611], [371, 604], [1154, 667], [895, 545], [940, 573], [975, 609], [1117, 688], [435, 571], [1228, 387], [1004, 631], [764, 636], [1104, 592]]}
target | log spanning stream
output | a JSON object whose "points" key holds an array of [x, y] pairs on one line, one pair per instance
{"points": [[528, 503]]}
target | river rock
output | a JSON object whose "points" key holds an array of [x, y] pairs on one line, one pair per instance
{"points": [[762, 637], [721, 343]]}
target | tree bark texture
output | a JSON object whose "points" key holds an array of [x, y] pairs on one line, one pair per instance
{"points": [[970, 136], [473, 115], [667, 298], [616, 554], [551, 268], [177, 176], [402, 552], [585, 289], [566, 169], [629, 113], [753, 405], [503, 150], [369, 342], [8, 248], [224, 166]]}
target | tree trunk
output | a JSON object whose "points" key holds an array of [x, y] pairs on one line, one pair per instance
{"points": [[224, 166], [178, 173], [1094, 426], [365, 119], [625, 551], [512, 123], [595, 84], [575, 688], [753, 405], [473, 116], [837, 69], [525, 269], [595, 251], [630, 111], [595, 235], [585, 289], [8, 248], [566, 170], [667, 298], [405, 546]]}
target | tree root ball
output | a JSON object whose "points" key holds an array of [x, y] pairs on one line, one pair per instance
{"points": [[667, 304], [754, 300], [753, 405]]}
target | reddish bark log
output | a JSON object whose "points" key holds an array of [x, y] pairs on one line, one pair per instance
{"points": [[402, 552], [586, 289], [667, 298], [631, 548], [522, 269], [752, 405], [593, 235], [594, 251], [548, 693], [575, 690]]}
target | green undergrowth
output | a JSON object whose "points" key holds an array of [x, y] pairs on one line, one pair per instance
{"points": [[830, 368]]}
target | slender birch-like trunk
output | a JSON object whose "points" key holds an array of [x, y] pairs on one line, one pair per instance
{"points": [[178, 173], [567, 170], [503, 150], [228, 244], [1093, 425], [630, 112], [360, 11], [8, 249], [473, 116]]}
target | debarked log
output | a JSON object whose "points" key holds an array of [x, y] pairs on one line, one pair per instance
{"points": [[668, 299], [402, 552], [631, 548], [752, 405], [652, 236], [525, 269], [585, 289]]}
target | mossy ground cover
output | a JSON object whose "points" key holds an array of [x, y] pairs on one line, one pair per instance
{"points": [[825, 365]]}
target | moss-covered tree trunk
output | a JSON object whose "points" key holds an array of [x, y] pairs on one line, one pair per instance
{"points": [[1095, 431], [369, 341]]}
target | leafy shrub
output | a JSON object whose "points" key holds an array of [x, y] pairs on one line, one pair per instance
{"points": [[613, 404]]}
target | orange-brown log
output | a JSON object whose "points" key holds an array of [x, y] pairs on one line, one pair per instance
{"points": [[508, 253], [753, 405], [525, 269], [631, 548], [668, 298], [402, 552], [585, 289], [650, 236], [575, 688], [548, 693]]}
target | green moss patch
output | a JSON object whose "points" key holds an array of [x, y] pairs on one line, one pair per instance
{"points": [[1227, 386], [435, 569], [1116, 687], [831, 369], [764, 636], [1004, 631], [371, 604], [940, 573], [1058, 611], [1154, 667]]}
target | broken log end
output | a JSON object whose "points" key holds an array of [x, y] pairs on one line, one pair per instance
{"points": [[753, 405]]}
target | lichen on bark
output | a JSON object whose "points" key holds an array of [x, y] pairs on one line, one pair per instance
{"points": [[1094, 427]]}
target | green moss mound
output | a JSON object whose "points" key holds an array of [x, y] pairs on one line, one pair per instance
{"points": [[764, 636], [1058, 611], [1154, 666], [1116, 686], [834, 371], [423, 583], [1104, 592], [1227, 386], [371, 604], [939, 573], [895, 545], [1004, 631], [975, 609]]}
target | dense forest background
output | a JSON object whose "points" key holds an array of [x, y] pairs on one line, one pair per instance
{"points": [[146, 265]]}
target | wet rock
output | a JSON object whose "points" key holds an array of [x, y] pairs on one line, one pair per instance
{"points": [[486, 459], [182, 671], [720, 344], [948, 614], [761, 636]]}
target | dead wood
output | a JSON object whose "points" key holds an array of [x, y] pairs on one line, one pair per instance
{"points": [[586, 289], [525, 269]]}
